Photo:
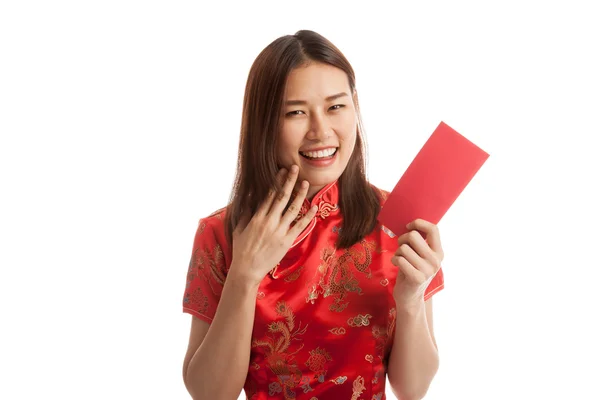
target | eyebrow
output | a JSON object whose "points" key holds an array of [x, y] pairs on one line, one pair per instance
{"points": [[303, 102]]}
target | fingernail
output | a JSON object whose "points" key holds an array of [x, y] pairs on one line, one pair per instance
{"points": [[294, 168]]}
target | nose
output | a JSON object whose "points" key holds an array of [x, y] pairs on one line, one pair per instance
{"points": [[319, 129]]}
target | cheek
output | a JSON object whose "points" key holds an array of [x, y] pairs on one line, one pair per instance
{"points": [[287, 147], [349, 137]]}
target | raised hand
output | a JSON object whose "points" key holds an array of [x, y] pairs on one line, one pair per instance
{"points": [[260, 241]]}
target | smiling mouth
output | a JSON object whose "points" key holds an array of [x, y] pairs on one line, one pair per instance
{"points": [[319, 155]]}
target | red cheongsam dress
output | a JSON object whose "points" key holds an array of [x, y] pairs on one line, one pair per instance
{"points": [[325, 317]]}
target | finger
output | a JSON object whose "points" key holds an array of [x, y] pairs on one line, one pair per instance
{"points": [[264, 208], [409, 271], [283, 197], [415, 260], [303, 222], [431, 231], [295, 206], [420, 246]]}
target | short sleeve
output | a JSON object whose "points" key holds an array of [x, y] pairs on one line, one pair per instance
{"points": [[436, 284], [206, 274]]}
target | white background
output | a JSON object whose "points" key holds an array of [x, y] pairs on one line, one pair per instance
{"points": [[119, 124]]}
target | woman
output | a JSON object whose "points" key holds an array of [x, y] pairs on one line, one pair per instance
{"points": [[296, 290]]}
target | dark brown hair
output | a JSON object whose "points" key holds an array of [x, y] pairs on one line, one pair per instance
{"points": [[262, 109]]}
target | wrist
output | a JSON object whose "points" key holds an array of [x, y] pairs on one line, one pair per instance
{"points": [[409, 306], [240, 277]]}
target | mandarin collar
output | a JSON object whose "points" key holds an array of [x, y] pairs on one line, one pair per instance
{"points": [[326, 200]]}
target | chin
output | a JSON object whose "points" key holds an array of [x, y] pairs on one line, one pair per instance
{"points": [[321, 178]]}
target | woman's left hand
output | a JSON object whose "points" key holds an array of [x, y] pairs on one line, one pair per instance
{"points": [[418, 259]]}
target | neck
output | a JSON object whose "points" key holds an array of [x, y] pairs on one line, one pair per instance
{"points": [[312, 191]]}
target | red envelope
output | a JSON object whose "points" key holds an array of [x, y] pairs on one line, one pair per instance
{"points": [[433, 181]]}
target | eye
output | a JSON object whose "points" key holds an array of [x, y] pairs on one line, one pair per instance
{"points": [[295, 112], [339, 106]]}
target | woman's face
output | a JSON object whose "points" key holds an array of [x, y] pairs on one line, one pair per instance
{"points": [[319, 121]]}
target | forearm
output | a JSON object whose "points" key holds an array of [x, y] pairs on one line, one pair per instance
{"points": [[219, 368], [414, 357]]}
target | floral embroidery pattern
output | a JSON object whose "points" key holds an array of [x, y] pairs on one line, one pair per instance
{"points": [[339, 340], [215, 261], [294, 275], [196, 300], [324, 210], [358, 386], [316, 363], [359, 320], [277, 357]]}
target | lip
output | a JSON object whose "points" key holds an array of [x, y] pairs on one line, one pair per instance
{"points": [[319, 163], [319, 148]]}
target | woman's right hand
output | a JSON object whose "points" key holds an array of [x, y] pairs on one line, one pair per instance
{"points": [[260, 241]]}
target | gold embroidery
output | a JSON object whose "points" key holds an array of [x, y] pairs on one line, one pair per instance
{"points": [[376, 377], [196, 299], [359, 320], [302, 212], [294, 275], [338, 331], [306, 384], [326, 208], [384, 282], [384, 336], [276, 353], [316, 363], [214, 260], [369, 358], [377, 396], [339, 380], [260, 295], [312, 294], [209, 266], [274, 388], [342, 281], [358, 386]]}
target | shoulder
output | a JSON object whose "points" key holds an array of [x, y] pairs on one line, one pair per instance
{"points": [[214, 223]]}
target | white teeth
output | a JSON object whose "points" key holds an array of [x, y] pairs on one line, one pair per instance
{"points": [[319, 154]]}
